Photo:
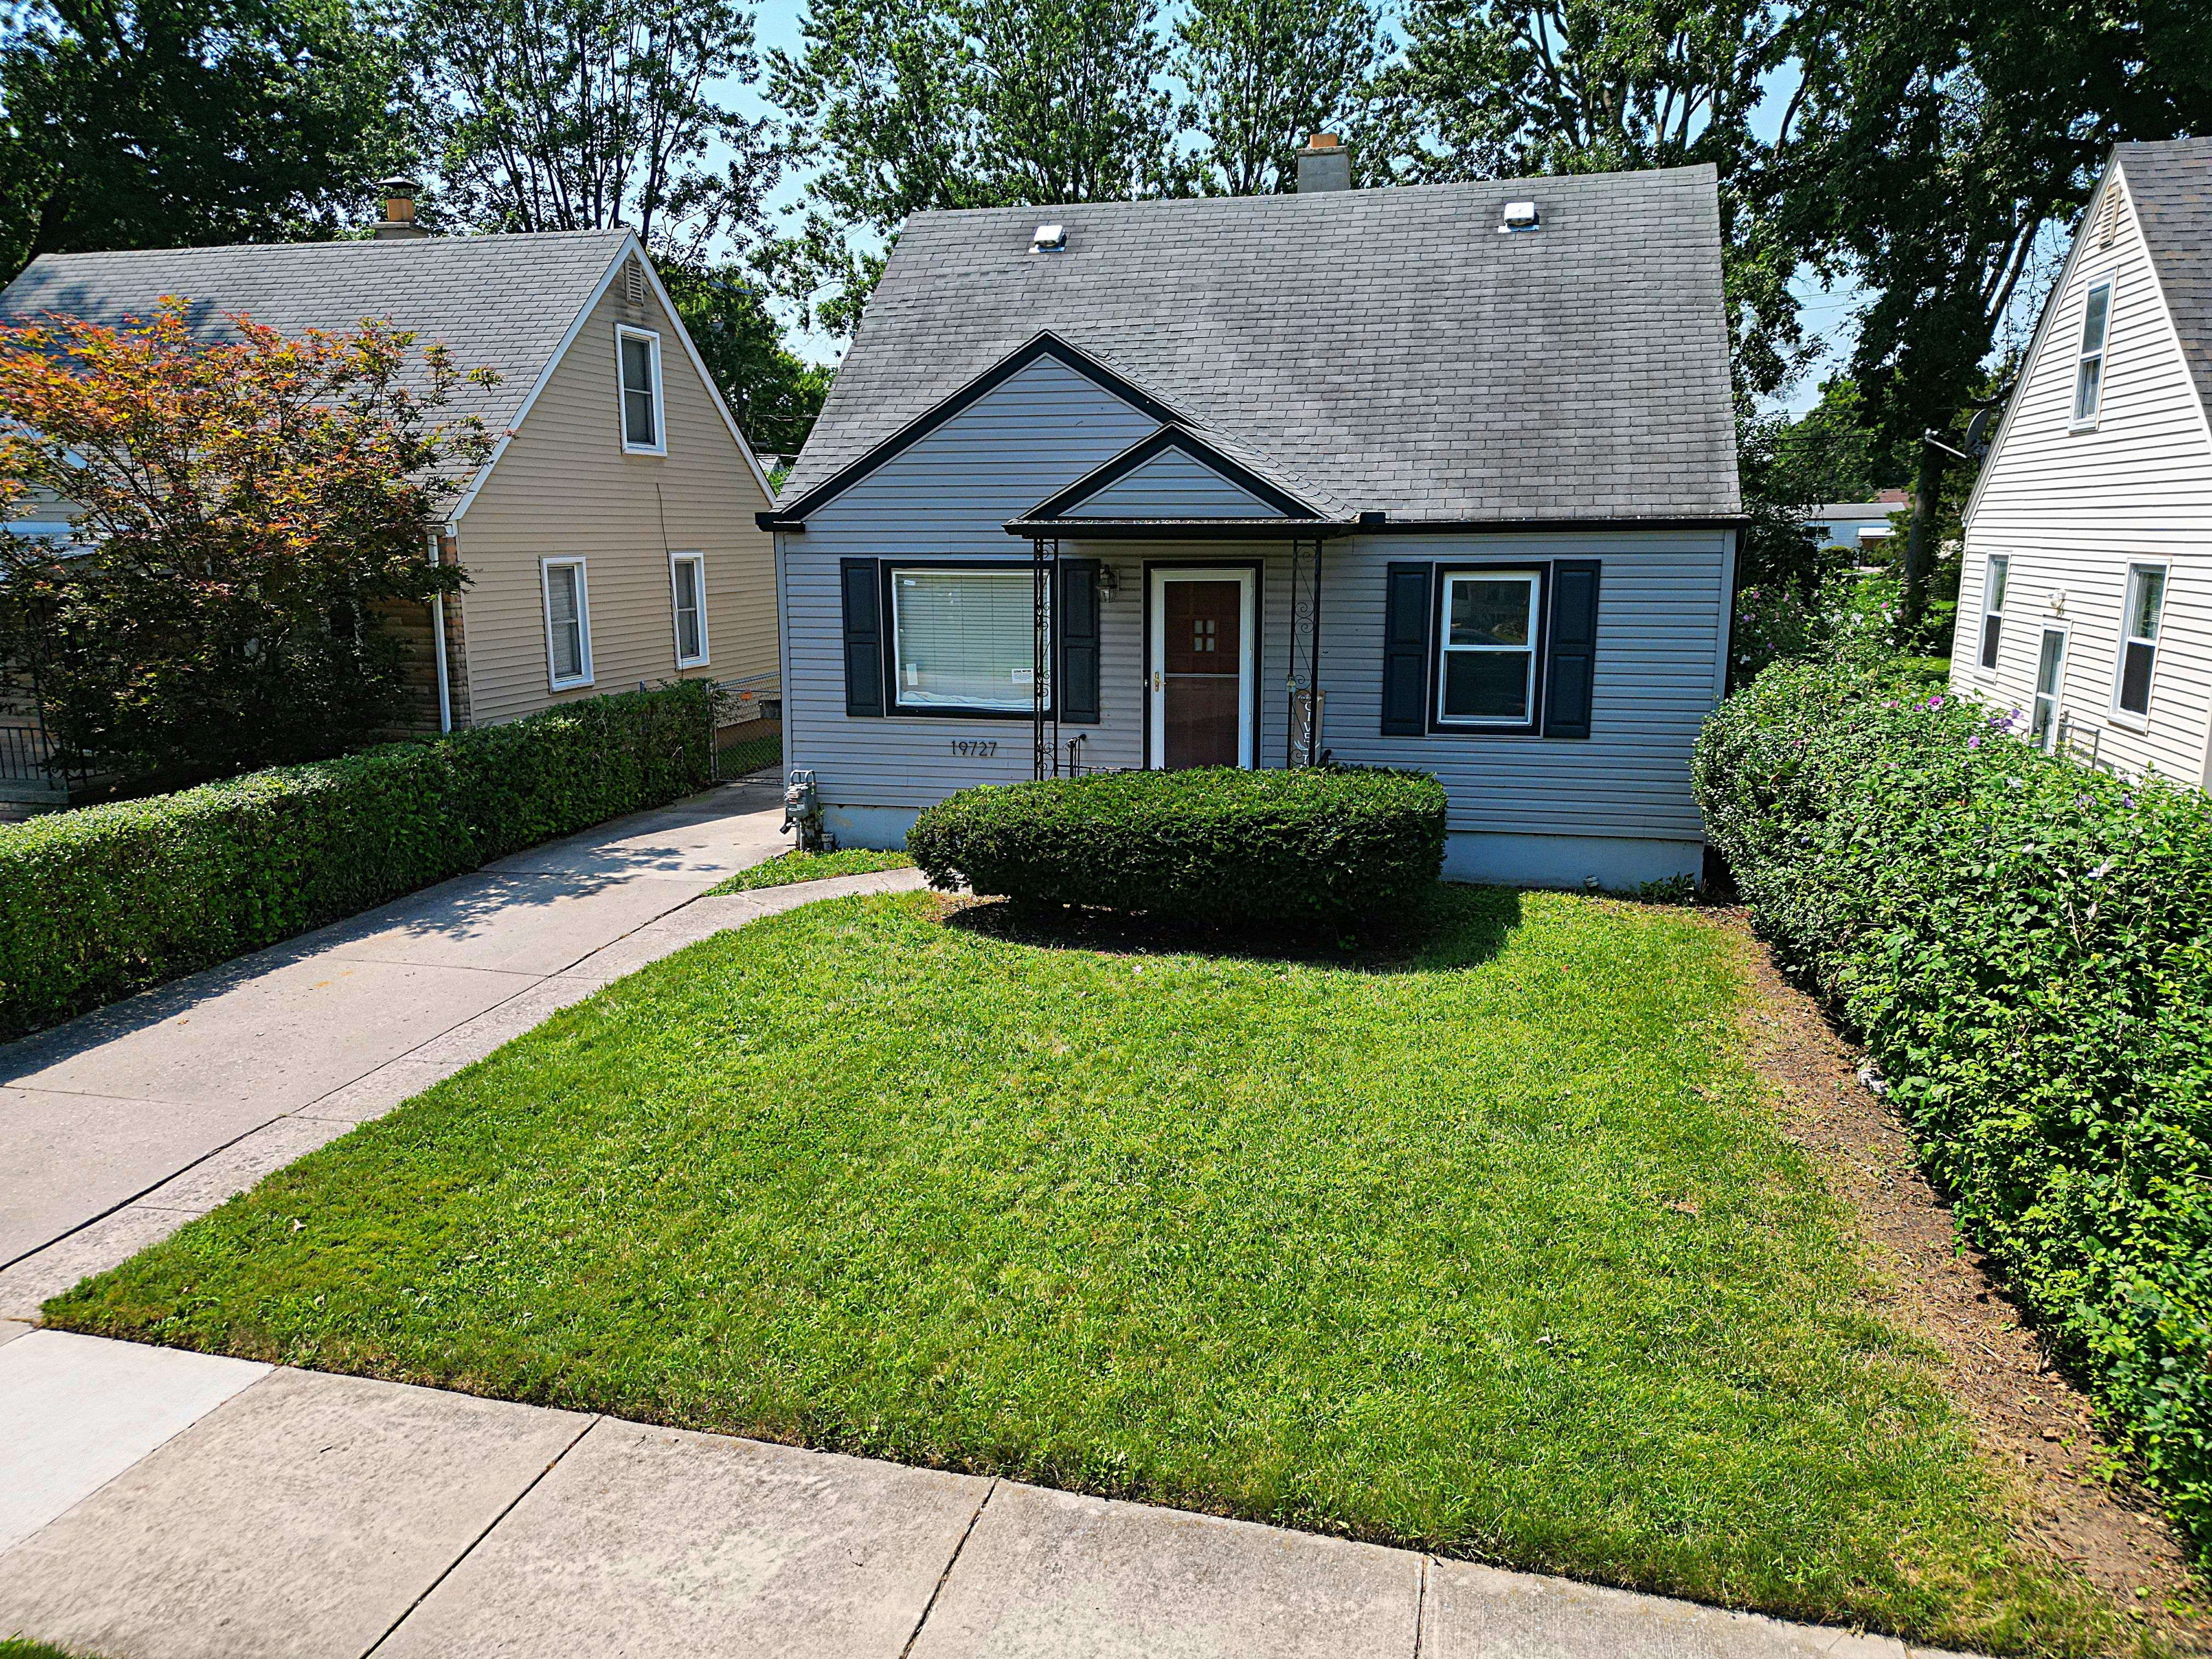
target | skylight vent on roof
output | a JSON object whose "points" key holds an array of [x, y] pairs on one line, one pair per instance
{"points": [[1518, 217], [1050, 238]]}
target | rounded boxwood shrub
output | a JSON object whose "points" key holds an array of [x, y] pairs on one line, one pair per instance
{"points": [[1217, 846]]}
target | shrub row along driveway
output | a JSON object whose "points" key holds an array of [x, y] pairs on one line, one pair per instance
{"points": [[1493, 1248]]}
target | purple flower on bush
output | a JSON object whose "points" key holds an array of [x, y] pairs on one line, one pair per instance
{"points": [[2128, 801], [1936, 701], [1974, 741]]}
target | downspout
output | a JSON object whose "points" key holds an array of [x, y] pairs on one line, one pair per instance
{"points": [[438, 642]]}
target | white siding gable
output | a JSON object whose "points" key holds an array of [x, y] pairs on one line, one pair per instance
{"points": [[2072, 507], [1173, 486]]}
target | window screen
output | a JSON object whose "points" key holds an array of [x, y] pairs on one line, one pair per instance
{"points": [[641, 412], [564, 609], [964, 639], [2139, 636], [690, 623], [1488, 672], [2089, 377]]}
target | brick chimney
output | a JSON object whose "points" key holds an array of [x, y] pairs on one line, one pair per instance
{"points": [[398, 224], [1324, 164]]}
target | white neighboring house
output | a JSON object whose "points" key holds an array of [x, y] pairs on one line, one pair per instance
{"points": [[1862, 528], [2085, 600]]}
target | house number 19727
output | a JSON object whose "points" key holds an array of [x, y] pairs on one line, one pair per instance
{"points": [[982, 748]]}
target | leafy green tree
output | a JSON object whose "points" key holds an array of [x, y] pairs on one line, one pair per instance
{"points": [[1945, 146], [1514, 88], [240, 512], [576, 115], [1264, 75], [773, 393], [905, 106], [157, 123]]}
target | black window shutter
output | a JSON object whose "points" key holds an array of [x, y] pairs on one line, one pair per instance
{"points": [[1406, 650], [864, 637], [1572, 659], [1078, 641]]}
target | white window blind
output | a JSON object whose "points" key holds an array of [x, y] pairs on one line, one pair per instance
{"points": [[964, 639]]}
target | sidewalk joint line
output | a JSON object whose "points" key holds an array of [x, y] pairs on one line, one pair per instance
{"points": [[1420, 1605], [125, 1203], [530, 1486], [938, 1589]]}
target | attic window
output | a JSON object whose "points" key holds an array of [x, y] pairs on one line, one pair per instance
{"points": [[1518, 217], [1050, 238]]}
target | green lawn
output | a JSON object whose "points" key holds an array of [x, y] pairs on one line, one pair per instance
{"points": [[1491, 1247], [785, 868]]}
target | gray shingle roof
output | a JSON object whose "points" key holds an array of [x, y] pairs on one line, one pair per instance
{"points": [[2172, 185], [503, 302], [1373, 349]]}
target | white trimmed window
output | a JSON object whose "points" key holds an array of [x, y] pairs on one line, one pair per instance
{"points": [[687, 584], [2139, 640], [568, 623], [1993, 598], [964, 640], [638, 353], [2049, 688], [2089, 366], [1486, 667]]}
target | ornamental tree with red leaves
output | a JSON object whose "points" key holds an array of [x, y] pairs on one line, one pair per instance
{"points": [[243, 510]]}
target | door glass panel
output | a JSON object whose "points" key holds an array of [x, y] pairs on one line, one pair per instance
{"points": [[1203, 672]]}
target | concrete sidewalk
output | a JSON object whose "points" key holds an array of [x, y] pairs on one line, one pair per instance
{"points": [[118, 1127], [158, 1505]]}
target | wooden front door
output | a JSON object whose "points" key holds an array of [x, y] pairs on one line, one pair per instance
{"points": [[1202, 668]]}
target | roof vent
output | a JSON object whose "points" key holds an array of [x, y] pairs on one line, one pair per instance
{"points": [[1518, 217], [1050, 238]]}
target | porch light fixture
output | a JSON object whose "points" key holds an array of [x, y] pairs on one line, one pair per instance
{"points": [[1050, 238], [1518, 217], [1109, 582]]}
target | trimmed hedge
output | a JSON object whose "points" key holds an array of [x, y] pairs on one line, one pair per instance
{"points": [[2025, 948], [102, 902], [1221, 848]]}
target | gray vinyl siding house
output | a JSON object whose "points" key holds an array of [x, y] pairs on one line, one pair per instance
{"points": [[1509, 454]]}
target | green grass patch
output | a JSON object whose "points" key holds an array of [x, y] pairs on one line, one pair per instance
{"points": [[785, 868], [18, 1647], [1490, 1246]]}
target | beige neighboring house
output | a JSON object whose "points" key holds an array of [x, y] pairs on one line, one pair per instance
{"points": [[609, 540]]}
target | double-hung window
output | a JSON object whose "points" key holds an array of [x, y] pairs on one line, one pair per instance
{"points": [[2139, 639], [964, 640], [1993, 598], [2089, 365], [1486, 647], [638, 353], [687, 581], [2049, 688], [568, 623]]}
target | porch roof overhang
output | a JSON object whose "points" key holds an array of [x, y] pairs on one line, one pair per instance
{"points": [[1181, 530]]}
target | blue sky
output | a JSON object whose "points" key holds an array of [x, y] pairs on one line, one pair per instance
{"points": [[1827, 314]]}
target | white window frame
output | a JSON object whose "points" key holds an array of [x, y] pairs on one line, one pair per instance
{"points": [[545, 569], [1001, 570], [698, 561], [2083, 357], [1984, 660], [659, 446], [2129, 717], [2049, 740], [1445, 648]]}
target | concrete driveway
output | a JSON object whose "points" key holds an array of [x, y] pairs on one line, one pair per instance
{"points": [[117, 1126]]}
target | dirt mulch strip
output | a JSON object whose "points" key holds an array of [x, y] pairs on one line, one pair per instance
{"points": [[2077, 1499]]}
